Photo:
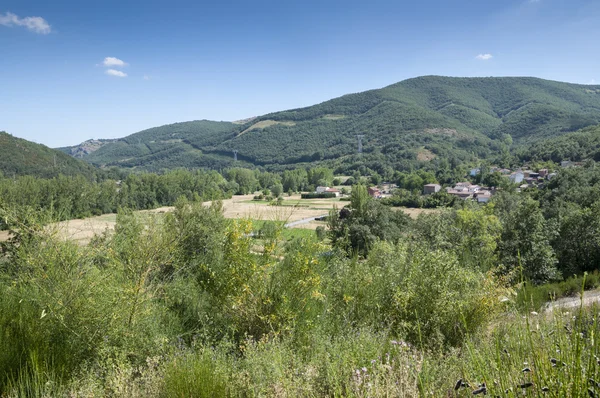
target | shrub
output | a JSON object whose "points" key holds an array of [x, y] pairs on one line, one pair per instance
{"points": [[314, 195], [425, 296], [196, 375]]}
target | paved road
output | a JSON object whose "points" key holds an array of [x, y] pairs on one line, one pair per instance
{"points": [[303, 221], [589, 297]]}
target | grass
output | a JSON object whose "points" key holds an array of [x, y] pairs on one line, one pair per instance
{"points": [[292, 233], [534, 297], [537, 355]]}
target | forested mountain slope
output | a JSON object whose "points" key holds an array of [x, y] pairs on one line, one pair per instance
{"points": [[578, 146], [22, 157], [414, 120]]}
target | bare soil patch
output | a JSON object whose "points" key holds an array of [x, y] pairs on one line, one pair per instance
{"points": [[414, 213], [333, 117], [425, 155], [264, 124]]}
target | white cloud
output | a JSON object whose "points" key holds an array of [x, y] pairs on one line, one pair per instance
{"points": [[146, 77], [484, 57], [114, 72], [593, 82], [114, 62], [34, 24]]}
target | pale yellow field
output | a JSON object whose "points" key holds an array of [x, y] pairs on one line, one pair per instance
{"points": [[242, 206], [82, 231]]}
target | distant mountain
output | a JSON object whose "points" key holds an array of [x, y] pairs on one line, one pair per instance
{"points": [[21, 157], [412, 121], [86, 147]]}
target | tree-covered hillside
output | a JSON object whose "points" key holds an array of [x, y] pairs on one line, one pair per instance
{"points": [[414, 120], [22, 157], [577, 146]]}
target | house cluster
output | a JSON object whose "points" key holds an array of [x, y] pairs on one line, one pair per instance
{"points": [[462, 190], [375, 192], [384, 190], [530, 178], [467, 190], [569, 163]]}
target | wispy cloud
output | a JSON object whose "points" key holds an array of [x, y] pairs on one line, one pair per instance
{"points": [[593, 81], [484, 57], [146, 77], [34, 24], [114, 72], [114, 62]]}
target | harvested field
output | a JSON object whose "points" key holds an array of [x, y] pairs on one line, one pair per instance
{"points": [[82, 231], [242, 206]]}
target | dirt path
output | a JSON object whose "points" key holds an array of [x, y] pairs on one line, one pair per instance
{"points": [[589, 298]]}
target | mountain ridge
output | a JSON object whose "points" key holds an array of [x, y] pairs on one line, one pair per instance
{"points": [[477, 114], [21, 157]]}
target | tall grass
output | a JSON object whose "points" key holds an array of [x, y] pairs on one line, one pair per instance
{"points": [[534, 297], [551, 354]]}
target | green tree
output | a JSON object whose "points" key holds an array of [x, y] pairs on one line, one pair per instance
{"points": [[525, 242]]}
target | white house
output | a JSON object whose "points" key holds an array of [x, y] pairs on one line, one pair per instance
{"points": [[517, 177], [483, 196]]}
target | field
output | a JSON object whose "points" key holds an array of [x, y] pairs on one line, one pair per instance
{"points": [[241, 206]]}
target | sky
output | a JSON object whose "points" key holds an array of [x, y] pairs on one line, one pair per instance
{"points": [[72, 70]]}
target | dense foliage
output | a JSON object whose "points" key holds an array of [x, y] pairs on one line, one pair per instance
{"points": [[21, 157], [77, 197], [405, 126]]}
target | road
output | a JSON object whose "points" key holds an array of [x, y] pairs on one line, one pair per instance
{"points": [[303, 221], [589, 298]]}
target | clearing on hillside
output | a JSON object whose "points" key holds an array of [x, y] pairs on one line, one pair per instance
{"points": [[264, 124], [425, 155]]}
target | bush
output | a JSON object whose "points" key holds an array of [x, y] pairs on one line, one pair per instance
{"points": [[321, 232], [424, 296], [314, 195], [196, 375]]}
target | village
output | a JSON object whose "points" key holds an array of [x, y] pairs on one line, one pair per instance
{"points": [[523, 178]]}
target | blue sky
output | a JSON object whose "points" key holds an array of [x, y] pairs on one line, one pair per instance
{"points": [[71, 70]]}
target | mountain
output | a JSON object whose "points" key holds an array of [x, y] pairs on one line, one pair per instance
{"points": [[159, 148], [408, 122], [22, 157], [578, 146]]}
